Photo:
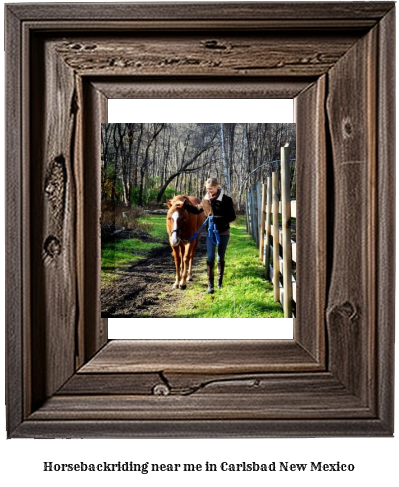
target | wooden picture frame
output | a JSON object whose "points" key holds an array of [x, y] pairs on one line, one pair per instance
{"points": [[335, 378]]}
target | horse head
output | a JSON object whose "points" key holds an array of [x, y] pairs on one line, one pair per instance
{"points": [[175, 220]]}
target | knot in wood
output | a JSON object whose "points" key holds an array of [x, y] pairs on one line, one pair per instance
{"points": [[54, 185], [161, 390], [90, 47], [50, 188], [347, 128], [213, 44], [348, 310], [51, 248]]}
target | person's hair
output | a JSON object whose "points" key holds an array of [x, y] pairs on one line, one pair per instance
{"points": [[212, 182]]}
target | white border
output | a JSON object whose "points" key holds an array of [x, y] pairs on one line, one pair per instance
{"points": [[200, 111]]}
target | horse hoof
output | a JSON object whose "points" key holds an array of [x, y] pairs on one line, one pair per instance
{"points": [[182, 286], [175, 286], [190, 278]]}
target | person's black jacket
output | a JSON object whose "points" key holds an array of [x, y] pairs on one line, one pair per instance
{"points": [[221, 208]]}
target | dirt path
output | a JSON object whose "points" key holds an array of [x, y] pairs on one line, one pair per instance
{"points": [[145, 289]]}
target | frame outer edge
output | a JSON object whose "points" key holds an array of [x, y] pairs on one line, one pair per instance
{"points": [[14, 260], [205, 11], [201, 429], [386, 219]]}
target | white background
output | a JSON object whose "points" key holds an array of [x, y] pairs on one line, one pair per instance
{"points": [[375, 459]]}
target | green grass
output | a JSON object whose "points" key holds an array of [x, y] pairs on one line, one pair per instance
{"points": [[245, 292], [155, 225], [118, 255]]}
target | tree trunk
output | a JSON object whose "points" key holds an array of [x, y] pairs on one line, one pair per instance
{"points": [[244, 149], [225, 169]]}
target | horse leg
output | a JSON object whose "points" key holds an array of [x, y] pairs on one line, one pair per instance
{"points": [[190, 264], [190, 267], [177, 257], [185, 259]]}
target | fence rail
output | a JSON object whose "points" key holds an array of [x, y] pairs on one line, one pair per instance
{"points": [[277, 249]]}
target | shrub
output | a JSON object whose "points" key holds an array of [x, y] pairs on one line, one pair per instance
{"points": [[119, 215]]}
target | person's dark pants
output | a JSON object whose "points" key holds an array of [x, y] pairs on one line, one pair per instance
{"points": [[221, 248], [211, 251]]}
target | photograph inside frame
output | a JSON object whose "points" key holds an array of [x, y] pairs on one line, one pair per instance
{"points": [[198, 220]]}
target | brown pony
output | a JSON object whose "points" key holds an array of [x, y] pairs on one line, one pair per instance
{"points": [[181, 225]]}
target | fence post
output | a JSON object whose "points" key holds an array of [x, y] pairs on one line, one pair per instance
{"points": [[262, 225], [286, 230], [259, 208], [254, 226], [268, 224], [276, 238], [247, 210]]}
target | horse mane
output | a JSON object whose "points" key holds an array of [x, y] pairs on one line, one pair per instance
{"points": [[178, 201], [181, 198]]}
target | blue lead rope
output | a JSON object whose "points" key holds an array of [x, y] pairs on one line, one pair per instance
{"points": [[212, 231]]}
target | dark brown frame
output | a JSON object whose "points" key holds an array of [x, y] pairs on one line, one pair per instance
{"points": [[64, 379]]}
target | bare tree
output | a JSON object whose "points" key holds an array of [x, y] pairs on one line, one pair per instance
{"points": [[144, 166], [167, 158], [106, 134], [242, 167], [195, 145], [225, 168]]}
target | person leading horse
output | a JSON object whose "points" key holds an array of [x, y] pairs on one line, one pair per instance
{"points": [[219, 206]]}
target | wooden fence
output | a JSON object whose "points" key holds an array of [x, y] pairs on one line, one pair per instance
{"points": [[277, 249]]}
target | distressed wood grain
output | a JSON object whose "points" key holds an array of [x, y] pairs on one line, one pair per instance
{"points": [[178, 87], [16, 263], [243, 55], [361, 14], [94, 329], [385, 244], [311, 286], [96, 384], [201, 407], [267, 396], [191, 428], [53, 197], [185, 383], [351, 108], [200, 356]]}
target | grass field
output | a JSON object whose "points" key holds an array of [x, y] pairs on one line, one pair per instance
{"points": [[245, 292], [117, 256], [155, 225]]}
